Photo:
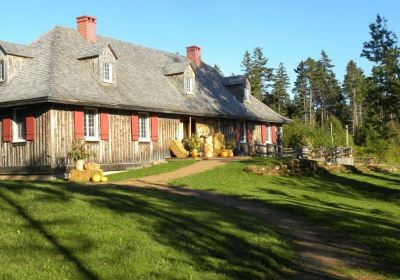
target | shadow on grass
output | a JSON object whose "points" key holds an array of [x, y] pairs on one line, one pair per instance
{"points": [[204, 232]]}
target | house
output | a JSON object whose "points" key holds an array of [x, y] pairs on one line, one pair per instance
{"points": [[126, 101]]}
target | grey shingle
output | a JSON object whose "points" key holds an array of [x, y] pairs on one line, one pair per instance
{"points": [[55, 74], [16, 49]]}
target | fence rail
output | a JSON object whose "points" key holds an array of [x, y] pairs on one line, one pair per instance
{"points": [[323, 153]]}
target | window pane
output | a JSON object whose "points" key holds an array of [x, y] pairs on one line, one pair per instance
{"points": [[20, 124], [2, 70], [106, 71], [90, 124], [143, 126]]}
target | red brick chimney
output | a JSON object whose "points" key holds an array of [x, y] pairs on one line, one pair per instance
{"points": [[194, 54], [86, 26]]}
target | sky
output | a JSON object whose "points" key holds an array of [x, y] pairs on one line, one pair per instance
{"points": [[288, 30]]}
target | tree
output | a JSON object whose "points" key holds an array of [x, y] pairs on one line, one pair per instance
{"points": [[279, 99], [218, 69], [301, 94], [383, 95], [354, 88], [255, 68]]}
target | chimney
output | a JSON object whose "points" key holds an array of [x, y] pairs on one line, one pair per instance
{"points": [[86, 26], [194, 54]]}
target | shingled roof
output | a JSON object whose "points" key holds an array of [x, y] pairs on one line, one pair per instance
{"points": [[56, 75], [16, 49]]}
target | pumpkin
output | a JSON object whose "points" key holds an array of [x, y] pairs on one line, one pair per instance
{"points": [[224, 154], [104, 179], [194, 153], [96, 178]]}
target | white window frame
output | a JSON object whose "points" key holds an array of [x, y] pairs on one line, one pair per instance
{"points": [[2, 70], [108, 79], [269, 134], [96, 136], [243, 134], [16, 137], [188, 80], [146, 137]]}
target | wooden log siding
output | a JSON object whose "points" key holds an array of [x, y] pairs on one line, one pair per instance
{"points": [[30, 153], [119, 148]]}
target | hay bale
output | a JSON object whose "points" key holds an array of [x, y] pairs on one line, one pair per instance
{"points": [[178, 149], [91, 166], [81, 176]]}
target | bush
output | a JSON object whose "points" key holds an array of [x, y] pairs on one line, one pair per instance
{"points": [[299, 133]]}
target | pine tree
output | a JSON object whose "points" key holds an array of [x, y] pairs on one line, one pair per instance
{"points": [[218, 69], [383, 97], [255, 68], [279, 99], [354, 88]]}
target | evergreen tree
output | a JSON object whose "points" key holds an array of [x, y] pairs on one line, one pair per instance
{"points": [[383, 97], [218, 69], [279, 99], [354, 88], [255, 68], [301, 94]]}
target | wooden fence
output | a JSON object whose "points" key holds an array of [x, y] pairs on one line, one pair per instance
{"points": [[323, 153]]}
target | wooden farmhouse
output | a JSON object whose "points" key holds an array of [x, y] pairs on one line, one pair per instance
{"points": [[124, 100]]}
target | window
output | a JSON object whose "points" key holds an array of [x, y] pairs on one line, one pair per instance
{"points": [[189, 85], [2, 71], [242, 132], [19, 125], [91, 125], [144, 127], [108, 72]]}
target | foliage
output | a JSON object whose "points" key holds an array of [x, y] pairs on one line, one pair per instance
{"points": [[194, 143], [230, 144], [255, 68], [299, 133], [78, 151], [364, 207], [279, 99], [54, 230]]}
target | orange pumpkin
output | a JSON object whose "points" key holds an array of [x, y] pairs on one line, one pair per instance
{"points": [[224, 154]]}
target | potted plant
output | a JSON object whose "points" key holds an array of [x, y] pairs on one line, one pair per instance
{"points": [[194, 145], [79, 154], [230, 146]]}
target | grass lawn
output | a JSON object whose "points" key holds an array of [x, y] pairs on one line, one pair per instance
{"points": [[148, 171], [61, 230], [362, 207]]}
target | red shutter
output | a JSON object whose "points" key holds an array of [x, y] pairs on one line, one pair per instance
{"points": [[237, 131], [135, 128], [273, 132], [7, 124], [78, 124], [30, 126], [104, 126], [263, 133], [154, 128], [249, 135]]}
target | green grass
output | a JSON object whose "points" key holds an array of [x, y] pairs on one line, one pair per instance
{"points": [[362, 207], [148, 171], [61, 230]]}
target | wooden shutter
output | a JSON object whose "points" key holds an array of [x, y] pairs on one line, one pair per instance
{"points": [[30, 126], [104, 126], [7, 124], [154, 128], [273, 134], [135, 127], [263, 133], [78, 124]]}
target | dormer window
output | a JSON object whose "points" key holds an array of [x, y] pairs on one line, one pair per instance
{"points": [[108, 72], [189, 85], [2, 71]]}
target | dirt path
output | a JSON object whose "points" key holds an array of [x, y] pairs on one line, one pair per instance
{"points": [[322, 255]]}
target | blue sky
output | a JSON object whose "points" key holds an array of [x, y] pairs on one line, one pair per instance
{"points": [[287, 30]]}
